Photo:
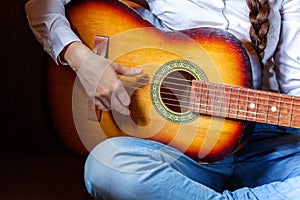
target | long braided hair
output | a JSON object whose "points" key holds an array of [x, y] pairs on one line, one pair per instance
{"points": [[258, 15]]}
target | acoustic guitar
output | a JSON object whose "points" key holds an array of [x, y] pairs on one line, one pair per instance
{"points": [[195, 93]]}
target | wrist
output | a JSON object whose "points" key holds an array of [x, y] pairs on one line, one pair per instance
{"points": [[74, 54]]}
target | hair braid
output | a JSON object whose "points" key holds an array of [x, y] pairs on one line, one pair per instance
{"points": [[258, 15]]}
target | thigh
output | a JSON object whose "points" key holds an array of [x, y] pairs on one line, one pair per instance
{"points": [[139, 164], [272, 155], [280, 190]]}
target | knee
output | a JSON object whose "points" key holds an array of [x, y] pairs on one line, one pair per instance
{"points": [[110, 164], [112, 152], [123, 162], [106, 156], [99, 172]]}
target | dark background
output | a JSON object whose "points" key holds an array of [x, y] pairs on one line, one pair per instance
{"points": [[34, 165]]}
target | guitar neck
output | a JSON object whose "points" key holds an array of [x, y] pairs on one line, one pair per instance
{"points": [[244, 104]]}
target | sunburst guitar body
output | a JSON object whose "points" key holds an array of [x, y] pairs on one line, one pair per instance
{"points": [[195, 93]]}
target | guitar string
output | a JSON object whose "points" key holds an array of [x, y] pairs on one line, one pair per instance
{"points": [[223, 86], [231, 104], [216, 109], [234, 113], [221, 99], [284, 102], [214, 104], [279, 101], [230, 115]]}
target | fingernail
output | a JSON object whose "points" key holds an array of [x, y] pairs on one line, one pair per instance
{"points": [[136, 70]]}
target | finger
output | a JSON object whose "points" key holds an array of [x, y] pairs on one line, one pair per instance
{"points": [[121, 94], [100, 106], [103, 95], [127, 71], [134, 71], [104, 101], [118, 106]]}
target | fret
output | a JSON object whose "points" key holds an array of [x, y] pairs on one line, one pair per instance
{"points": [[204, 98], [263, 100], [252, 105], [243, 103], [219, 97], [246, 104], [273, 108], [217, 110], [234, 102], [196, 96], [226, 101], [210, 98], [295, 121], [285, 113]]}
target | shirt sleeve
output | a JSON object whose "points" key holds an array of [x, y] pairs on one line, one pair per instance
{"points": [[49, 25], [287, 57]]}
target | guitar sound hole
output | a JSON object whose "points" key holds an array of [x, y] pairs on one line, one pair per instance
{"points": [[175, 91]]}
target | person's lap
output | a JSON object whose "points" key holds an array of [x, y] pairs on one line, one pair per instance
{"points": [[125, 168]]}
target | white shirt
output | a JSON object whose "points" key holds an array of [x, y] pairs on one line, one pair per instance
{"points": [[52, 29]]}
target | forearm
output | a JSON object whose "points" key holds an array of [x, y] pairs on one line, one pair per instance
{"points": [[50, 26]]}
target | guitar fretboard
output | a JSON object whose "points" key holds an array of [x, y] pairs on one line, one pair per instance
{"points": [[244, 104]]}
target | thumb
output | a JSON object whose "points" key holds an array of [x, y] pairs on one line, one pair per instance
{"points": [[127, 71]]}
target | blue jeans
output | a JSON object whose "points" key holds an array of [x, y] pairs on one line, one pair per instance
{"points": [[268, 167]]}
